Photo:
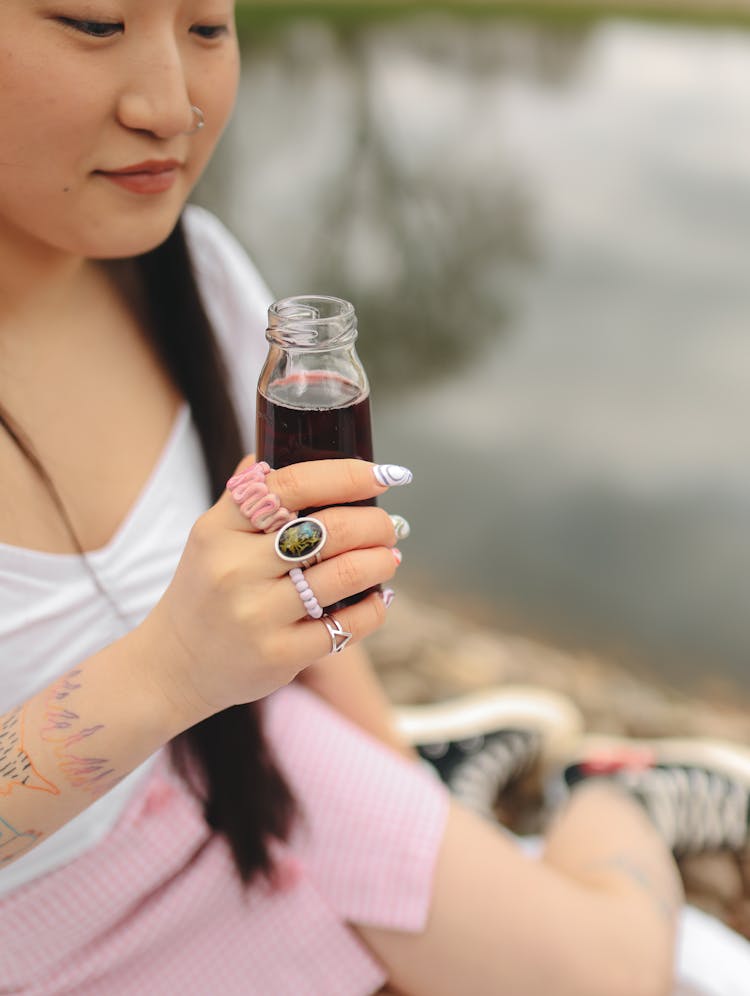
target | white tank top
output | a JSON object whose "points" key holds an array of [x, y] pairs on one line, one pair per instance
{"points": [[51, 614]]}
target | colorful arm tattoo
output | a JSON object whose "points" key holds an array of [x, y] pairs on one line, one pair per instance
{"points": [[14, 842], [16, 768], [64, 729]]}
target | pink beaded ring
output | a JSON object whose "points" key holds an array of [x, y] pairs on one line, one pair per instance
{"points": [[261, 507], [309, 600]]}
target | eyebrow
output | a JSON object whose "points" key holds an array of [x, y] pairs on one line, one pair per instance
{"points": [[84, 7]]}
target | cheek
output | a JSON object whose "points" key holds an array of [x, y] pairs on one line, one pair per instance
{"points": [[41, 116]]}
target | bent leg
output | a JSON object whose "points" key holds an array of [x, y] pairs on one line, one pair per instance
{"points": [[501, 921], [710, 958]]}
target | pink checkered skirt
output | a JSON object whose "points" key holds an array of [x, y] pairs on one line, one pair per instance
{"points": [[157, 908]]}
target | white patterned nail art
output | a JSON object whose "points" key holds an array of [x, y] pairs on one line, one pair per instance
{"points": [[390, 475], [400, 526], [387, 594]]}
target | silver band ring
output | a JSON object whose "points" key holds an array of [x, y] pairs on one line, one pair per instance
{"points": [[339, 636], [301, 540], [310, 562]]}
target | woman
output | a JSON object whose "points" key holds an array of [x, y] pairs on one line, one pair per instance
{"points": [[300, 855]]}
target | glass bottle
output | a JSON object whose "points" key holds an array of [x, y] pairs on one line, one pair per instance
{"points": [[313, 395]]}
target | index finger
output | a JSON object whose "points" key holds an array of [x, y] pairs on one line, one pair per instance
{"points": [[320, 483], [258, 499]]}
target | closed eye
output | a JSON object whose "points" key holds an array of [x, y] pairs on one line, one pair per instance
{"points": [[210, 31], [96, 29]]}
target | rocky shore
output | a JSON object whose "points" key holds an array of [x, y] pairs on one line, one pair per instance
{"points": [[427, 653]]}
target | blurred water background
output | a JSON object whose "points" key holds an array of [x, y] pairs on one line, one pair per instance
{"points": [[544, 225]]}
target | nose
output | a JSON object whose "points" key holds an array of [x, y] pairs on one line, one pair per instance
{"points": [[155, 98]]}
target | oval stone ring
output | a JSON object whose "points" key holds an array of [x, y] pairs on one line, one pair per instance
{"points": [[301, 540]]}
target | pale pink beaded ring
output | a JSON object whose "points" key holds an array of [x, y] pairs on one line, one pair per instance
{"points": [[261, 507], [309, 600]]}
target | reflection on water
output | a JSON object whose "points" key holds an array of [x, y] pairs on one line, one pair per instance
{"points": [[546, 237], [359, 163]]}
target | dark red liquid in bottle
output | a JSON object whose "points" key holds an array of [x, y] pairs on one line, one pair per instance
{"points": [[335, 424], [338, 426]]}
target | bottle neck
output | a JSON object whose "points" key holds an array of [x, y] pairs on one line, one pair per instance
{"points": [[312, 361], [314, 323]]}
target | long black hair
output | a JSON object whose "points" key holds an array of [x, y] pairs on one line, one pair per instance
{"points": [[224, 759]]}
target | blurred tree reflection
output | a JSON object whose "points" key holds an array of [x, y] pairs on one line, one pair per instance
{"points": [[425, 248], [360, 164]]}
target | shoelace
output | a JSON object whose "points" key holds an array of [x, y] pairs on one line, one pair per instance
{"points": [[695, 809], [504, 757]]}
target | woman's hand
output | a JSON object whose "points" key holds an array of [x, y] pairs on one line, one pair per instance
{"points": [[231, 627]]}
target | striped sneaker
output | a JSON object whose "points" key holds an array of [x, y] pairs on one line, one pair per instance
{"points": [[483, 742], [696, 791]]}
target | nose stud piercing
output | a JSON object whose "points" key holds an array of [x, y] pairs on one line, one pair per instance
{"points": [[200, 120]]}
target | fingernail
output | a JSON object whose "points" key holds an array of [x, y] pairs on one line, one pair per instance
{"points": [[387, 594], [401, 526], [390, 475], [397, 555]]}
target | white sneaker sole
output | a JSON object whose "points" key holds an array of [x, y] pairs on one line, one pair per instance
{"points": [[554, 716]]}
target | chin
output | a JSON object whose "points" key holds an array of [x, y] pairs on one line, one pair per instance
{"points": [[139, 236]]}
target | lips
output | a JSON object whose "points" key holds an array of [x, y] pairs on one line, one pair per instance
{"points": [[149, 166], [149, 177]]}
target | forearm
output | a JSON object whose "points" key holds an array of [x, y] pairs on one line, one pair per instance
{"points": [[347, 681], [65, 747]]}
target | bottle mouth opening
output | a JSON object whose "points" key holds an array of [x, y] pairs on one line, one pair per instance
{"points": [[312, 309], [311, 320]]}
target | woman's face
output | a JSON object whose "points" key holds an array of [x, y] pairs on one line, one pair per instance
{"points": [[90, 88]]}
